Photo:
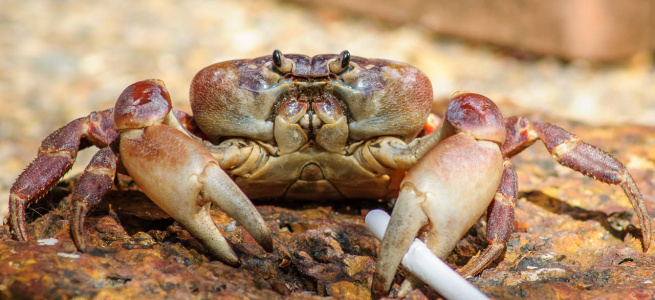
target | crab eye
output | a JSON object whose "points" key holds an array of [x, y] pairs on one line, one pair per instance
{"points": [[341, 63], [345, 59], [281, 63], [277, 58]]}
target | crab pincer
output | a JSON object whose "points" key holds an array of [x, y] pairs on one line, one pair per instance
{"points": [[450, 187], [177, 173]]}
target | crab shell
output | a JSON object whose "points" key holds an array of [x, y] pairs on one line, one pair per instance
{"points": [[313, 118]]}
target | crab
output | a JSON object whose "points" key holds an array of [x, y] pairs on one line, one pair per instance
{"points": [[312, 128]]}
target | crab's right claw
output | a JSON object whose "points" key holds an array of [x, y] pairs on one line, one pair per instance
{"points": [[448, 189], [177, 173]]}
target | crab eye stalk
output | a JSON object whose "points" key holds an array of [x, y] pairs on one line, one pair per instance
{"points": [[341, 63], [281, 63]]}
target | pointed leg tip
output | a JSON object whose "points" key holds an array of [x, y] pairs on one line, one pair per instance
{"points": [[77, 230], [17, 217], [469, 270], [18, 227], [646, 232], [464, 272], [20, 235], [646, 243], [78, 239]]}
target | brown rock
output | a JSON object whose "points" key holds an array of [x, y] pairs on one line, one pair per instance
{"points": [[349, 290], [575, 239]]}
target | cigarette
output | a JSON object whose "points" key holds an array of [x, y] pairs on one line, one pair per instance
{"points": [[421, 262]]}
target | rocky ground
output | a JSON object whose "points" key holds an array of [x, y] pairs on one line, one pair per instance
{"points": [[63, 59], [574, 239]]}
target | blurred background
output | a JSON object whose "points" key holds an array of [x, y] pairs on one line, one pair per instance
{"points": [[586, 60]]}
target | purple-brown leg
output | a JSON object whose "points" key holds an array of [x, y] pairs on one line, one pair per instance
{"points": [[95, 182], [55, 157], [571, 152], [500, 222]]}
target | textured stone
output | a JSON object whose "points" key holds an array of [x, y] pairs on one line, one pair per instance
{"points": [[574, 238]]}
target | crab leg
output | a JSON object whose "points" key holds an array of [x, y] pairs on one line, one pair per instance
{"points": [[500, 222], [571, 152], [448, 189], [55, 157], [178, 174], [95, 182]]}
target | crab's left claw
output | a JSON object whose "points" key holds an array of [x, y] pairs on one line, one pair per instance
{"points": [[448, 189], [177, 173]]}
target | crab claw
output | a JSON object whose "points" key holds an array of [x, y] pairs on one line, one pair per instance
{"points": [[177, 173], [448, 189]]}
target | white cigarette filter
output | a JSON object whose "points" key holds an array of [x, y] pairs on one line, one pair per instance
{"points": [[421, 262]]}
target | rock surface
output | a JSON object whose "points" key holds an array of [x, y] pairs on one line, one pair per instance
{"points": [[574, 239]]}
